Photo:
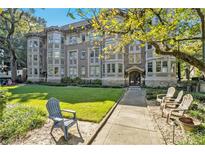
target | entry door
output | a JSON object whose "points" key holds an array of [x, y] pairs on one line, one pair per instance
{"points": [[134, 79]]}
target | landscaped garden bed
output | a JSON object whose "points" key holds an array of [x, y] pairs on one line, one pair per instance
{"points": [[197, 110], [26, 107]]}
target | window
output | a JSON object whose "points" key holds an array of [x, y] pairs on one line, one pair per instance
{"points": [[56, 54], [35, 71], [92, 70], [131, 58], [83, 37], [149, 67], [62, 71], [137, 58], [50, 45], [56, 45], [41, 44], [56, 70], [72, 40], [108, 68], [57, 61], [30, 71], [50, 71], [97, 70], [149, 46], [94, 56], [50, 38], [164, 66], [131, 48], [30, 43], [73, 57], [119, 56], [158, 66], [113, 68], [50, 60], [103, 68], [35, 50], [73, 71], [35, 43], [57, 38], [173, 67], [62, 40], [119, 68], [83, 54], [35, 57], [62, 61], [137, 47], [83, 70]]}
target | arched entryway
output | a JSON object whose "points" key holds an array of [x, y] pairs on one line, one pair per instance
{"points": [[135, 76]]}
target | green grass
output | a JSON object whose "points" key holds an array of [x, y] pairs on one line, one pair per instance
{"points": [[91, 104]]}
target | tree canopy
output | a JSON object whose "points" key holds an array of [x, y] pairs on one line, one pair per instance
{"points": [[14, 24], [175, 32]]}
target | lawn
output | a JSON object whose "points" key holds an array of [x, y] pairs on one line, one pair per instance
{"points": [[91, 104]]}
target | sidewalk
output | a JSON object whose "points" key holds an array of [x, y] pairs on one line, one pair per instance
{"points": [[130, 123]]}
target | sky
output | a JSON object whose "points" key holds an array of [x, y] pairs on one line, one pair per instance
{"points": [[55, 16]]}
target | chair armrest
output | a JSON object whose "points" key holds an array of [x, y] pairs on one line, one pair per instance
{"points": [[70, 111], [56, 119]]}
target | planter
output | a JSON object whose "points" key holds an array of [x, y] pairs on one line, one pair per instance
{"points": [[188, 123]]}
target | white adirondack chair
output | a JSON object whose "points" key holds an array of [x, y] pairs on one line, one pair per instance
{"points": [[181, 109], [168, 95], [173, 102]]}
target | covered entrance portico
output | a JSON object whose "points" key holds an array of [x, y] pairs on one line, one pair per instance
{"points": [[135, 75]]}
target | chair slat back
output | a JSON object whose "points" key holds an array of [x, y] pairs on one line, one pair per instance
{"points": [[170, 92], [179, 96], [53, 108], [186, 102]]}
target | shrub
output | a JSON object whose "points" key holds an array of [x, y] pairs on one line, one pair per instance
{"points": [[77, 80], [199, 96], [18, 120], [67, 80], [29, 82], [3, 101], [97, 82]]}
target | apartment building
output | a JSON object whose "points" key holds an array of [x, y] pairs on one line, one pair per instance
{"points": [[75, 51]]}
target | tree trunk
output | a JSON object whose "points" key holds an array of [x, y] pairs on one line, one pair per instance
{"points": [[187, 72], [13, 68], [179, 71]]}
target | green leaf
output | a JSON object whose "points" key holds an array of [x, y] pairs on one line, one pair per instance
{"points": [[70, 15], [1, 10]]}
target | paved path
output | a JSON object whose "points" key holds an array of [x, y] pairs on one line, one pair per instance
{"points": [[130, 123]]}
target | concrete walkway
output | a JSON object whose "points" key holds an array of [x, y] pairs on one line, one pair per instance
{"points": [[130, 122]]}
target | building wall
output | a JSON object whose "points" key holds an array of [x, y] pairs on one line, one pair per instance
{"points": [[66, 53]]}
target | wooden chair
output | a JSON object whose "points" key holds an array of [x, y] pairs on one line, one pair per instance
{"points": [[168, 95], [181, 109], [172, 103], [55, 113]]}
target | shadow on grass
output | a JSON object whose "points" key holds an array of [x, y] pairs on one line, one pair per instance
{"points": [[64, 94]]}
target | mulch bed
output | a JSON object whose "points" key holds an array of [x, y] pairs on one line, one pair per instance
{"points": [[42, 135], [165, 129]]}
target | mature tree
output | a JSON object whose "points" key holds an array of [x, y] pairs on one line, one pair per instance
{"points": [[14, 24], [165, 29]]}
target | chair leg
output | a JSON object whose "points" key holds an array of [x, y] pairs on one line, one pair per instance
{"points": [[168, 117], [65, 130], [78, 129], [52, 129]]}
